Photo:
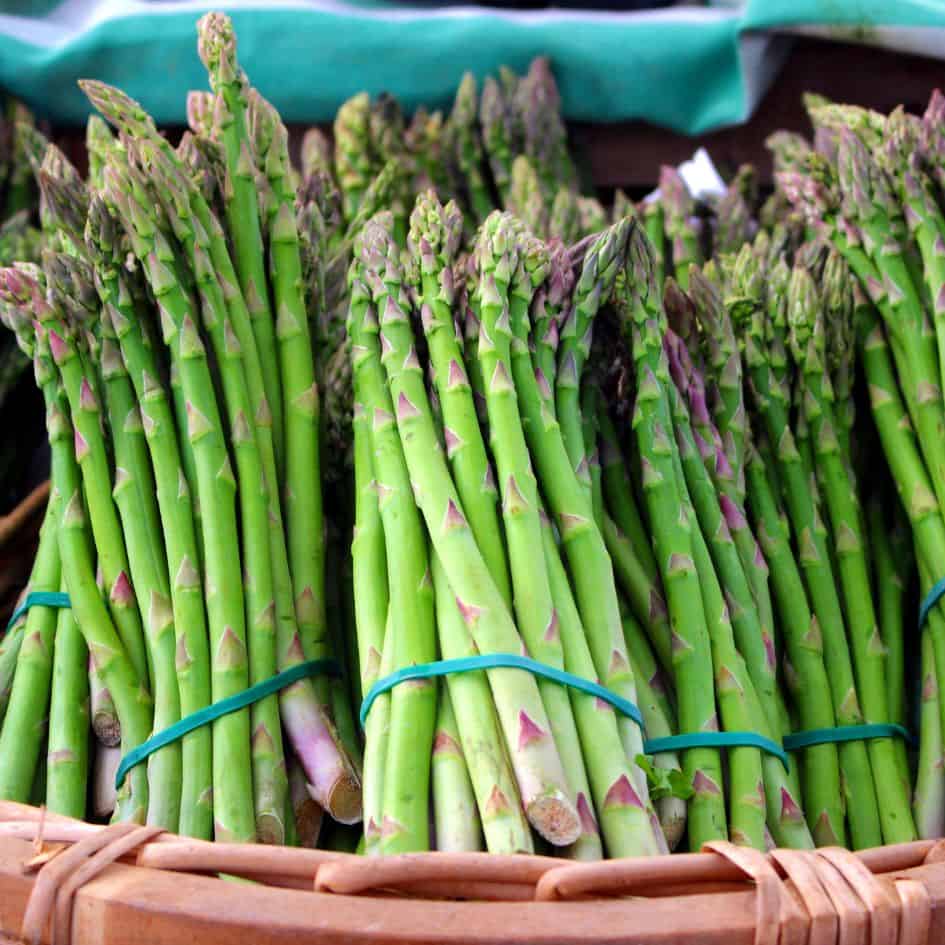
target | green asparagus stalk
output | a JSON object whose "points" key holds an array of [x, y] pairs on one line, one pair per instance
{"points": [[467, 148], [9, 652], [660, 717], [681, 225], [608, 768], [929, 800], [892, 564], [404, 823], [823, 798], [98, 143], [435, 232], [593, 288], [92, 458], [525, 198], [654, 222], [24, 726], [869, 203], [369, 564], [785, 819], [456, 819], [564, 222], [548, 313], [303, 500], [67, 759], [217, 48], [268, 760], [354, 162], [496, 123], [106, 650]]}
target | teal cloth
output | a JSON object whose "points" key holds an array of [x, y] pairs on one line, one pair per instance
{"points": [[689, 68]]}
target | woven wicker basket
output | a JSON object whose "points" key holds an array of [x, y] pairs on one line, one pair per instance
{"points": [[65, 881]]}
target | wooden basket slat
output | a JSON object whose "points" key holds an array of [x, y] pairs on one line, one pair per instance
{"points": [[707, 906], [133, 903]]}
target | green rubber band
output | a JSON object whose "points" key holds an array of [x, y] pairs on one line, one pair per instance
{"points": [[224, 707], [847, 733], [654, 746], [931, 599], [56, 599], [467, 664]]}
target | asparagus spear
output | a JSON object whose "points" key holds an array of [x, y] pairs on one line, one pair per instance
{"points": [[9, 652], [823, 798], [456, 819], [785, 819], [592, 289], [467, 147], [681, 225], [868, 203], [929, 800], [404, 825], [24, 725], [525, 198], [435, 232], [105, 647], [354, 162], [497, 135], [549, 312], [67, 760], [217, 47]]}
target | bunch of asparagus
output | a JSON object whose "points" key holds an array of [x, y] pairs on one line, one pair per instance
{"points": [[168, 329], [419, 399]]}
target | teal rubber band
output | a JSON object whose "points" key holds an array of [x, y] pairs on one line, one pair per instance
{"points": [[56, 599], [931, 599], [847, 733], [467, 664], [224, 707], [654, 746]]}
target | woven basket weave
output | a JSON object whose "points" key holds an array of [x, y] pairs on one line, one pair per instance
{"points": [[63, 881]]}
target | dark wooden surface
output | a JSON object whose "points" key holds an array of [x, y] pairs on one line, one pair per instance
{"points": [[629, 155]]}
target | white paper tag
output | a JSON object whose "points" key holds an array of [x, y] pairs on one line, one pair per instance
{"points": [[700, 177]]}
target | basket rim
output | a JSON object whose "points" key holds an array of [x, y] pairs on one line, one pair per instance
{"points": [[721, 903]]}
